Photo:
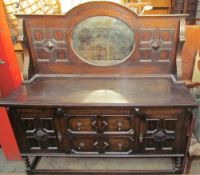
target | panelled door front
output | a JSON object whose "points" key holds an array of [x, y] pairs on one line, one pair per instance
{"points": [[37, 129], [162, 131]]}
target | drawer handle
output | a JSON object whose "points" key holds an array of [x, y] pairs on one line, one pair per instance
{"points": [[119, 125], [81, 146], [119, 146], [59, 135], [79, 124]]}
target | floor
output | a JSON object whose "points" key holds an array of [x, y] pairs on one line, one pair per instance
{"points": [[17, 167]]}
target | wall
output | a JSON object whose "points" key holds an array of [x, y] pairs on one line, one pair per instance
{"points": [[189, 50]]}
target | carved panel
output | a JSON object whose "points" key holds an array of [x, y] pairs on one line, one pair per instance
{"points": [[39, 133], [80, 144], [49, 44], [160, 134], [156, 45]]}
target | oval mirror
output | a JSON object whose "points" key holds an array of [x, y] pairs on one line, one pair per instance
{"points": [[102, 41]]}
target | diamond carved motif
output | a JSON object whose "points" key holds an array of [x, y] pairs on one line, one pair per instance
{"points": [[50, 44], [160, 135], [41, 135]]}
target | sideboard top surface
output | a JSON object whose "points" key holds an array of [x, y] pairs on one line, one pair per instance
{"points": [[101, 91]]}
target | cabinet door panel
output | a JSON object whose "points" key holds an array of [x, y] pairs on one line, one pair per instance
{"points": [[36, 129], [162, 132]]}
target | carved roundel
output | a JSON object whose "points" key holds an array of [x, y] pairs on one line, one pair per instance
{"points": [[102, 41]]}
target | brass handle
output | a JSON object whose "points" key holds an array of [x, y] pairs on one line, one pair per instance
{"points": [[81, 145], [119, 146], [79, 124], [119, 125], [59, 135]]}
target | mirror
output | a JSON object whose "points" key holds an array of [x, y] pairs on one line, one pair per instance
{"points": [[102, 41]]}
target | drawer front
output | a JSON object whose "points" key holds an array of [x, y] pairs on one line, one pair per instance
{"points": [[119, 144], [102, 121], [83, 144], [78, 123], [100, 144], [35, 129], [119, 123]]}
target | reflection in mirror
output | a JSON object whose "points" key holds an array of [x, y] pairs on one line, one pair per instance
{"points": [[102, 41]]}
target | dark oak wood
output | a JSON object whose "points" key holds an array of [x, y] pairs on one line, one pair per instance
{"points": [[69, 108], [58, 29], [101, 91]]}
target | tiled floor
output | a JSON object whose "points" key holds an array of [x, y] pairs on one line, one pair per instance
{"points": [[10, 166], [17, 167]]}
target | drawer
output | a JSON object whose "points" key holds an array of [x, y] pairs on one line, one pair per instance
{"points": [[119, 144], [89, 120], [105, 123], [80, 144], [119, 123], [83, 144], [81, 123]]}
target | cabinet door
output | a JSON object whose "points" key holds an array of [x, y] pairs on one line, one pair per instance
{"points": [[163, 130], [35, 129]]}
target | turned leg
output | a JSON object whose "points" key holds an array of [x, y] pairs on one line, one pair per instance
{"points": [[27, 164], [177, 168]]}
